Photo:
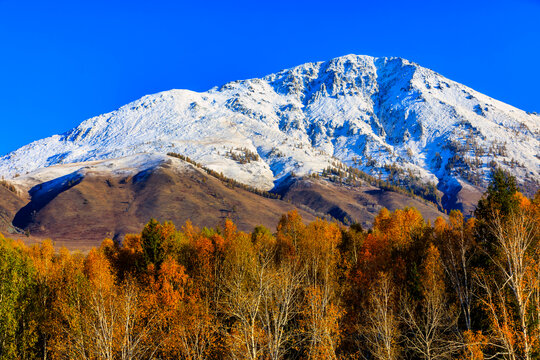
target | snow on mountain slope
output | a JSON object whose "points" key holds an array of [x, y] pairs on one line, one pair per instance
{"points": [[363, 111], [117, 167]]}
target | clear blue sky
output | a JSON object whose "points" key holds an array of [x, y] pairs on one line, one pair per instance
{"points": [[62, 62]]}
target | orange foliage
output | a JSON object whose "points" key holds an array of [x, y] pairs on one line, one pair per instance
{"points": [[321, 324], [132, 244], [400, 226], [98, 270], [289, 228], [383, 219], [432, 273], [204, 248], [374, 257], [475, 342], [270, 296], [229, 231], [42, 258], [393, 232], [318, 250], [440, 225], [171, 283]]}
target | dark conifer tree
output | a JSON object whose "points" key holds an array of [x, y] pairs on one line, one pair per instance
{"points": [[499, 198], [152, 244]]}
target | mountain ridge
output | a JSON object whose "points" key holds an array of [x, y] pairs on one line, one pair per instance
{"points": [[388, 117]]}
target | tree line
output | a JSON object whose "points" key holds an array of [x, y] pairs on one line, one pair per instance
{"points": [[229, 182], [405, 289]]}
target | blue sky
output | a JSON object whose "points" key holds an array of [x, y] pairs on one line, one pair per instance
{"points": [[62, 62]]}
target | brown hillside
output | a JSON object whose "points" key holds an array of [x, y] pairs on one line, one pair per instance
{"points": [[351, 204], [84, 211], [81, 206], [10, 203]]}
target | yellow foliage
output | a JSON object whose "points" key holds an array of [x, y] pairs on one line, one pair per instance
{"points": [[98, 270]]}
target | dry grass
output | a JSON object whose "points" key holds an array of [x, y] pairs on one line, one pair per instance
{"points": [[8, 186]]}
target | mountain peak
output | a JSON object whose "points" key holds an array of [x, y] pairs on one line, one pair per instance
{"points": [[385, 116]]}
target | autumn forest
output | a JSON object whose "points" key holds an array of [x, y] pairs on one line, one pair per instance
{"points": [[462, 287]]}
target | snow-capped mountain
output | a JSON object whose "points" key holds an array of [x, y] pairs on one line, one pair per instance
{"points": [[381, 115]]}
